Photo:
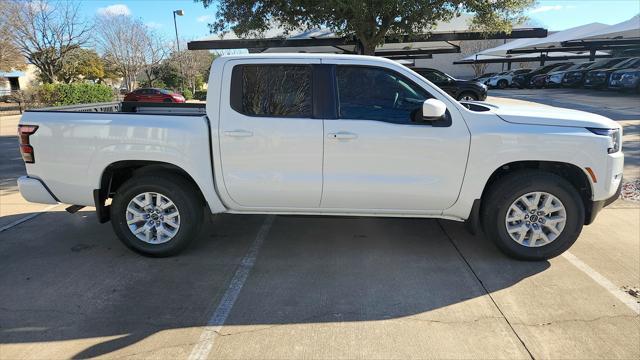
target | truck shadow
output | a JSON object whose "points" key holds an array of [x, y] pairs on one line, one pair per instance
{"points": [[65, 277]]}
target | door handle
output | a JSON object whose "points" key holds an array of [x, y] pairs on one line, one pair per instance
{"points": [[342, 135], [238, 133]]}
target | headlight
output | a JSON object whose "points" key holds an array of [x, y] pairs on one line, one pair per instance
{"points": [[614, 138]]}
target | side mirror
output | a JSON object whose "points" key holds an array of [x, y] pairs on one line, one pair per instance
{"points": [[433, 109]]}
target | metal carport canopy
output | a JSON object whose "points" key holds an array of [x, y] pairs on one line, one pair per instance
{"points": [[551, 41], [324, 41], [629, 29]]}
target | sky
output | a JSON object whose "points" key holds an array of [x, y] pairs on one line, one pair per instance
{"points": [[158, 14]]}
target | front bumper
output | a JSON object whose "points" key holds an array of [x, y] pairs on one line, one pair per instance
{"points": [[596, 206], [34, 190], [607, 189], [572, 80], [596, 81]]}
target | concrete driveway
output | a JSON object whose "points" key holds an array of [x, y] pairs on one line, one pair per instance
{"points": [[310, 287]]}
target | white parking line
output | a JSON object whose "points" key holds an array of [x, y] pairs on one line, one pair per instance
{"points": [[604, 282], [204, 345], [27, 218]]}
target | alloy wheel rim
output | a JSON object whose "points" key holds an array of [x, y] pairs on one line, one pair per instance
{"points": [[535, 219], [468, 98], [152, 218]]}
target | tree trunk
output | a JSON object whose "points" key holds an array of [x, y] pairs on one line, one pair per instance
{"points": [[366, 47]]}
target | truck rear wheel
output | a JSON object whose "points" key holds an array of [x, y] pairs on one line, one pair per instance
{"points": [[533, 215], [157, 214]]}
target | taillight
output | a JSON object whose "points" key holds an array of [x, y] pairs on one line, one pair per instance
{"points": [[26, 150]]}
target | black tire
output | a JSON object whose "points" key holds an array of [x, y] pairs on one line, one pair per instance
{"points": [[506, 190], [502, 84], [179, 190], [167, 100], [473, 96]]}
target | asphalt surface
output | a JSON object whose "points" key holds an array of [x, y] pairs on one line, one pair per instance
{"points": [[256, 287]]}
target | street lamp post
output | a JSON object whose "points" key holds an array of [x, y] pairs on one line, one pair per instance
{"points": [[175, 25]]}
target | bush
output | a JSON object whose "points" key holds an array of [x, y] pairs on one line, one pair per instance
{"points": [[200, 95], [70, 94], [187, 94]]}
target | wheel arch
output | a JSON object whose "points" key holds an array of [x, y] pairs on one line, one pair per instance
{"points": [[576, 176], [116, 173]]}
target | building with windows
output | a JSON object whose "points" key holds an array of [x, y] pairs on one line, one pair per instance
{"points": [[15, 80]]}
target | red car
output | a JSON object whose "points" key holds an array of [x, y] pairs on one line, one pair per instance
{"points": [[154, 95]]}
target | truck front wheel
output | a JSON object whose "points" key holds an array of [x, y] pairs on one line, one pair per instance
{"points": [[156, 214], [533, 215]]}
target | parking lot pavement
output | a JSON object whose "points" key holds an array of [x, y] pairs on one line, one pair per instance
{"points": [[312, 287], [320, 288]]}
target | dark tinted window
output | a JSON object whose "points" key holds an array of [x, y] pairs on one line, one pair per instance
{"points": [[368, 93], [434, 76], [272, 90]]}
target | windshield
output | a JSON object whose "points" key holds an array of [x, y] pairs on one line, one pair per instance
{"points": [[603, 63], [564, 67], [166, 92], [627, 63], [579, 66]]}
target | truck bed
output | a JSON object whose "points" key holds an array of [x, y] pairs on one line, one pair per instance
{"points": [[120, 107], [73, 145]]}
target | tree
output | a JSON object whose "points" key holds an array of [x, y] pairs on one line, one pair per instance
{"points": [[155, 52], [45, 32], [81, 64], [368, 20], [10, 56], [195, 66], [472, 47], [130, 46]]}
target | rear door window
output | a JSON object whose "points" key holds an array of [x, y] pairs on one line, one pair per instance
{"points": [[272, 90]]}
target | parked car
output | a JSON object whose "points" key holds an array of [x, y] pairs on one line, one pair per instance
{"points": [[154, 95], [483, 78], [459, 89], [505, 79], [600, 78], [524, 80], [554, 78], [575, 78], [539, 81], [382, 141], [628, 79]]}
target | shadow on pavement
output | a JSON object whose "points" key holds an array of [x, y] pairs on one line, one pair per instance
{"points": [[11, 165], [65, 277]]}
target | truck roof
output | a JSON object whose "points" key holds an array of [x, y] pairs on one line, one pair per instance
{"points": [[366, 58]]}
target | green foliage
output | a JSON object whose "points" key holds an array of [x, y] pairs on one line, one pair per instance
{"points": [[70, 94], [187, 94], [80, 64], [200, 95], [368, 20]]}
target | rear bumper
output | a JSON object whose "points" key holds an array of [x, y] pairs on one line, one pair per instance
{"points": [[34, 190]]}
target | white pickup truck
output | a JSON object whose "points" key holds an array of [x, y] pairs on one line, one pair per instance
{"points": [[326, 135]]}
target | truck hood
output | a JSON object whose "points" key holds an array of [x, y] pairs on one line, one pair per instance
{"points": [[550, 116]]}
